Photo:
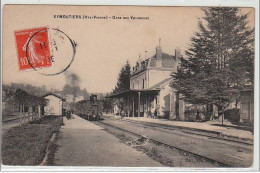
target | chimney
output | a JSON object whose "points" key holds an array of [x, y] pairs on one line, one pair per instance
{"points": [[178, 53], [158, 55], [145, 55], [159, 51], [140, 59], [177, 57]]}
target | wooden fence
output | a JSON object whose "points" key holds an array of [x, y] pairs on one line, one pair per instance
{"points": [[29, 117]]}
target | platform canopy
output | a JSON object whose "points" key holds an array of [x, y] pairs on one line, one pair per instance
{"points": [[133, 93]]}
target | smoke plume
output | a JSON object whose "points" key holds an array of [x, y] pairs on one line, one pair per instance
{"points": [[72, 86]]}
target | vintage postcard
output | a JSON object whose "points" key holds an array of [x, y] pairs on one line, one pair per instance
{"points": [[154, 87]]}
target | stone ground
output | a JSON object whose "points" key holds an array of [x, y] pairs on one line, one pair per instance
{"points": [[83, 143]]}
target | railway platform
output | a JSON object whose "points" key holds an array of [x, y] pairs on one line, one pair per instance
{"points": [[82, 143]]}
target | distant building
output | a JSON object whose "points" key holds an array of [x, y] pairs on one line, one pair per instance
{"points": [[69, 98], [54, 104], [150, 93], [10, 106], [22, 103]]}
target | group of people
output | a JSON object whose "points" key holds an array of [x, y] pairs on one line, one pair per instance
{"points": [[68, 113]]}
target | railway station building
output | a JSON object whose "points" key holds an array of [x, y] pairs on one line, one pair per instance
{"points": [[54, 104], [150, 92]]}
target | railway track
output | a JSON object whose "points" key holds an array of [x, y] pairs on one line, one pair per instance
{"points": [[11, 120], [198, 133], [219, 163]]}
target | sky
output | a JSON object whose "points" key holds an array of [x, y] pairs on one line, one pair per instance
{"points": [[103, 46]]}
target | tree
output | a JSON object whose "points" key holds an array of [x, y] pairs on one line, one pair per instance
{"points": [[123, 80], [123, 84], [220, 60], [23, 98], [11, 88]]}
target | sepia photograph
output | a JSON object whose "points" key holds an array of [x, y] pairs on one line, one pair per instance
{"points": [[105, 86]]}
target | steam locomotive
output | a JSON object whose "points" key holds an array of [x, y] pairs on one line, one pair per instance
{"points": [[89, 109]]}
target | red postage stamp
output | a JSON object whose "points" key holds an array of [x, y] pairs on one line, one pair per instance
{"points": [[33, 48]]}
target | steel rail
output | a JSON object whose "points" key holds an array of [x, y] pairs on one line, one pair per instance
{"points": [[170, 146], [7, 121], [169, 127]]}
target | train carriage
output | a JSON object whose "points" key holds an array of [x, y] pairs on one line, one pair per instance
{"points": [[89, 109]]}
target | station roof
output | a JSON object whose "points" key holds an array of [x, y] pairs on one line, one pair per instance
{"points": [[55, 95], [133, 92]]}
